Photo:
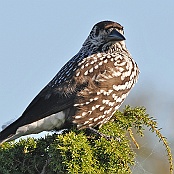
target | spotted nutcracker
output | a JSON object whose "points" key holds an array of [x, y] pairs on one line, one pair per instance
{"points": [[88, 89]]}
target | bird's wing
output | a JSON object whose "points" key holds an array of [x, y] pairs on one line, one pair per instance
{"points": [[49, 101], [55, 97], [52, 99]]}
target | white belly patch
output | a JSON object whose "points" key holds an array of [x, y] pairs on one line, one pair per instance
{"points": [[45, 124]]}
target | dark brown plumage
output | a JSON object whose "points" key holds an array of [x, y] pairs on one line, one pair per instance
{"points": [[87, 90]]}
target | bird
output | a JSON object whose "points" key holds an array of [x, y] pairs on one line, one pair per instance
{"points": [[87, 90]]}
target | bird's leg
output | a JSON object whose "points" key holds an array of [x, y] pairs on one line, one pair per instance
{"points": [[107, 137]]}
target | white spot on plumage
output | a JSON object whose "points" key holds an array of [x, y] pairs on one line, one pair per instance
{"points": [[86, 73], [95, 59], [99, 54], [78, 116], [105, 61], [116, 107], [109, 56], [91, 99], [107, 92], [82, 67], [111, 103], [76, 104], [112, 59], [102, 91], [119, 99], [99, 117], [115, 64], [114, 96], [106, 112], [95, 119], [86, 122], [93, 108], [122, 63], [100, 63], [103, 116], [87, 64], [101, 108], [93, 77], [77, 74], [96, 66], [97, 106], [98, 123], [119, 87], [98, 93], [110, 91], [105, 101], [79, 125], [115, 87], [110, 109], [84, 113], [91, 70], [90, 125], [123, 77]]}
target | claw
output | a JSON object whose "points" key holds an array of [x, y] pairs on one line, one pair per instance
{"points": [[107, 137]]}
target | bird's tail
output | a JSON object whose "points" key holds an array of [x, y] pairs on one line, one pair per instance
{"points": [[4, 136], [8, 133]]}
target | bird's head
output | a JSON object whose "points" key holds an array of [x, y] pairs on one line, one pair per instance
{"points": [[103, 36]]}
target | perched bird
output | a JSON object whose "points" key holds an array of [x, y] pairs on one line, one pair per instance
{"points": [[88, 89]]}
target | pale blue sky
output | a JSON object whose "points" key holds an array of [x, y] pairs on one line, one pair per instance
{"points": [[37, 37]]}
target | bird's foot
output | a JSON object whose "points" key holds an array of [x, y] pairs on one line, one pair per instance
{"points": [[107, 137]]}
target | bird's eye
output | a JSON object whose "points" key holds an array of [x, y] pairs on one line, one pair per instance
{"points": [[109, 30]]}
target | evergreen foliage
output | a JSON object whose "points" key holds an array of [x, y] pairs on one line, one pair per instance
{"points": [[76, 151]]}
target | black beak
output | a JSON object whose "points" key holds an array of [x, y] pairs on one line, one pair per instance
{"points": [[115, 36]]}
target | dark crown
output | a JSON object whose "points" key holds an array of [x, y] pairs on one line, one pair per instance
{"points": [[108, 24]]}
